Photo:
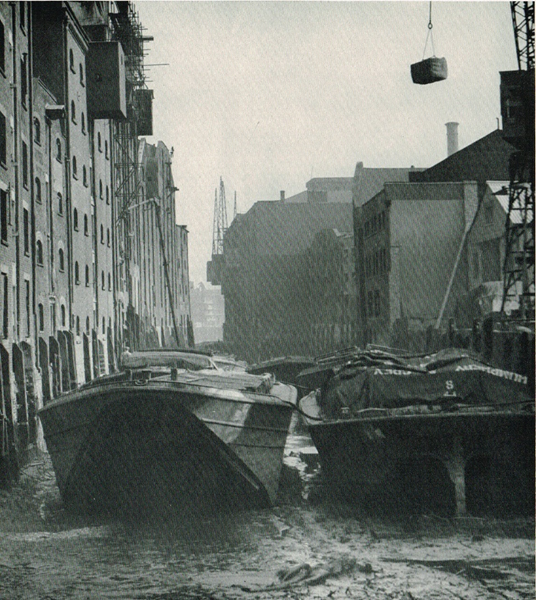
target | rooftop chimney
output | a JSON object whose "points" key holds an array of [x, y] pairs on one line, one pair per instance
{"points": [[452, 137], [282, 195]]}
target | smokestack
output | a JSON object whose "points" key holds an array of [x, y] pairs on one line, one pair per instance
{"points": [[452, 137], [282, 195]]}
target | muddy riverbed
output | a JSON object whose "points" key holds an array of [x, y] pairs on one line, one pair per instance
{"points": [[307, 547]]}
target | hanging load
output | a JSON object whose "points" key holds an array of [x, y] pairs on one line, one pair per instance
{"points": [[431, 69]]}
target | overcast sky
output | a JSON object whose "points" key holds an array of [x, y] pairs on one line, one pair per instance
{"points": [[268, 95]]}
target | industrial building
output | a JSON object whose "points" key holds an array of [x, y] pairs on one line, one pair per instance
{"points": [[83, 198]]}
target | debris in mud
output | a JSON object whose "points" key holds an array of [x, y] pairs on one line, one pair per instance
{"points": [[304, 574]]}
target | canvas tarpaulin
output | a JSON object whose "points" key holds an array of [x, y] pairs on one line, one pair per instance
{"points": [[444, 380]]}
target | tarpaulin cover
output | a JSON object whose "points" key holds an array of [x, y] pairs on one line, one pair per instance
{"points": [[450, 377]]}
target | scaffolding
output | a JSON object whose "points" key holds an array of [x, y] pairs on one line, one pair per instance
{"points": [[126, 28]]}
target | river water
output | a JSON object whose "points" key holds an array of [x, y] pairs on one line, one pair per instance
{"points": [[306, 547]]}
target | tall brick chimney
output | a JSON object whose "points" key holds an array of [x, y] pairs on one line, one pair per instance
{"points": [[452, 137]]}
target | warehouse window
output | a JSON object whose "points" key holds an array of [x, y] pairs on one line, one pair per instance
{"points": [[83, 120], [60, 203], [108, 241], [5, 307], [109, 282], [2, 49], [61, 260], [106, 148], [28, 304], [39, 253], [75, 219], [84, 175], [99, 142], [37, 131], [71, 60], [58, 149], [75, 168], [38, 197], [4, 199], [26, 231], [86, 225], [81, 74], [107, 195], [102, 234], [41, 317], [100, 189], [3, 140], [25, 165], [76, 273], [24, 79], [87, 276], [103, 281], [63, 315], [73, 112], [77, 325]]}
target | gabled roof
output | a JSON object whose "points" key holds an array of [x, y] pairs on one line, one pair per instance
{"points": [[282, 228], [486, 159]]}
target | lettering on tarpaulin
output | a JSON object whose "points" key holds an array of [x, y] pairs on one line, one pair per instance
{"points": [[450, 393]]}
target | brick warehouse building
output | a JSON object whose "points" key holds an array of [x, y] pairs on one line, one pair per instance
{"points": [[73, 234]]}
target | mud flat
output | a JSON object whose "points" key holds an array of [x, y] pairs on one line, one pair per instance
{"points": [[307, 547]]}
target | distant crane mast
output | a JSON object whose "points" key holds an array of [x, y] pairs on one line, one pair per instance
{"points": [[220, 220], [519, 235]]}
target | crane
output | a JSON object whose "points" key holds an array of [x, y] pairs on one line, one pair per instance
{"points": [[517, 109], [220, 225]]}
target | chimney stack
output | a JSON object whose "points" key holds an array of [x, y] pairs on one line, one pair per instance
{"points": [[282, 195], [452, 137]]}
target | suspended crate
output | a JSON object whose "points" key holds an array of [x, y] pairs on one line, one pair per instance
{"points": [[429, 70]]}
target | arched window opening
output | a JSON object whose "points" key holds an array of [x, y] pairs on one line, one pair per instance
{"points": [[38, 195], [87, 276], [37, 130], [76, 273], [63, 315], [86, 225], [61, 260], [41, 317], [39, 253], [75, 219]]}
